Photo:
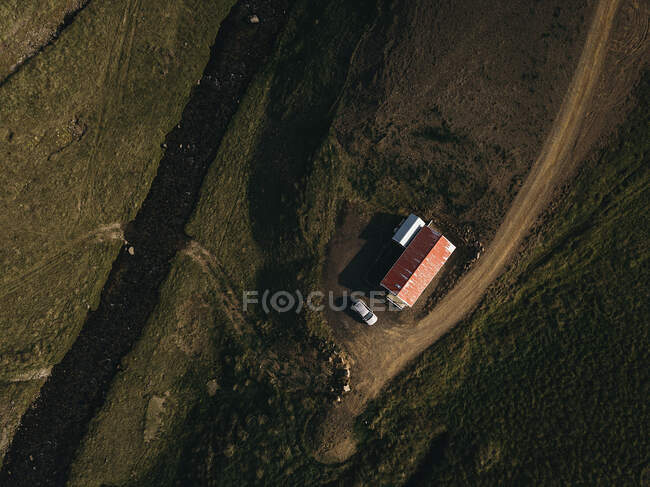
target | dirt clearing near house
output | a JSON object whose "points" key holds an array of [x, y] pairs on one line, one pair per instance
{"points": [[377, 354], [359, 255]]}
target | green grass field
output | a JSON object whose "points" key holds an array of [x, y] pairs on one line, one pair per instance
{"points": [[82, 125], [546, 383]]}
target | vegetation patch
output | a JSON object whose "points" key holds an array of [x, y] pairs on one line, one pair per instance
{"points": [[249, 383], [546, 382], [83, 140], [257, 383]]}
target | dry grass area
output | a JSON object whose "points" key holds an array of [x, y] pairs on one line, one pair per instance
{"points": [[448, 105]]}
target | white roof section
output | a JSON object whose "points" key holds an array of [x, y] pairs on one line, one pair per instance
{"points": [[408, 229], [360, 307]]}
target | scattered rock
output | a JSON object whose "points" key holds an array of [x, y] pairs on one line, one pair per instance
{"points": [[154, 417], [229, 451], [212, 386], [254, 19], [77, 128], [131, 251], [346, 388]]}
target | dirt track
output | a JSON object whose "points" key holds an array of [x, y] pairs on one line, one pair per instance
{"points": [[379, 355]]}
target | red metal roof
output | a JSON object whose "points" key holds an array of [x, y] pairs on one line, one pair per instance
{"points": [[418, 265]]}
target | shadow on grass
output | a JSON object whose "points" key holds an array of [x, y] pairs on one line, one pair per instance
{"points": [[367, 268], [310, 72], [434, 457]]}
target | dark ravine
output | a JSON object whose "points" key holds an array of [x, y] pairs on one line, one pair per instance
{"points": [[51, 430], [67, 20]]}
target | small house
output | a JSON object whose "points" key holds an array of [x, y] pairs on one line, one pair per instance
{"points": [[425, 252]]}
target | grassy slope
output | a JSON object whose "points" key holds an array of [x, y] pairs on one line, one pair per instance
{"points": [[547, 384], [253, 429], [82, 125], [445, 125], [160, 363], [268, 373]]}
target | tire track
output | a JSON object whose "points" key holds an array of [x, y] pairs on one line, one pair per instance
{"points": [[113, 231], [134, 12], [210, 266], [113, 76]]}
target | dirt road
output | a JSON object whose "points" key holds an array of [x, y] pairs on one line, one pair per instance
{"points": [[378, 356]]}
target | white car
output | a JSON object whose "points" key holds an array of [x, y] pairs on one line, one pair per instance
{"points": [[362, 309]]}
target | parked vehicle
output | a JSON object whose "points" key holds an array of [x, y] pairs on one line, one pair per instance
{"points": [[362, 309]]}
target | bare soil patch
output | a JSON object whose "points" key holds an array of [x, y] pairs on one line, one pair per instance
{"points": [[359, 255]]}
